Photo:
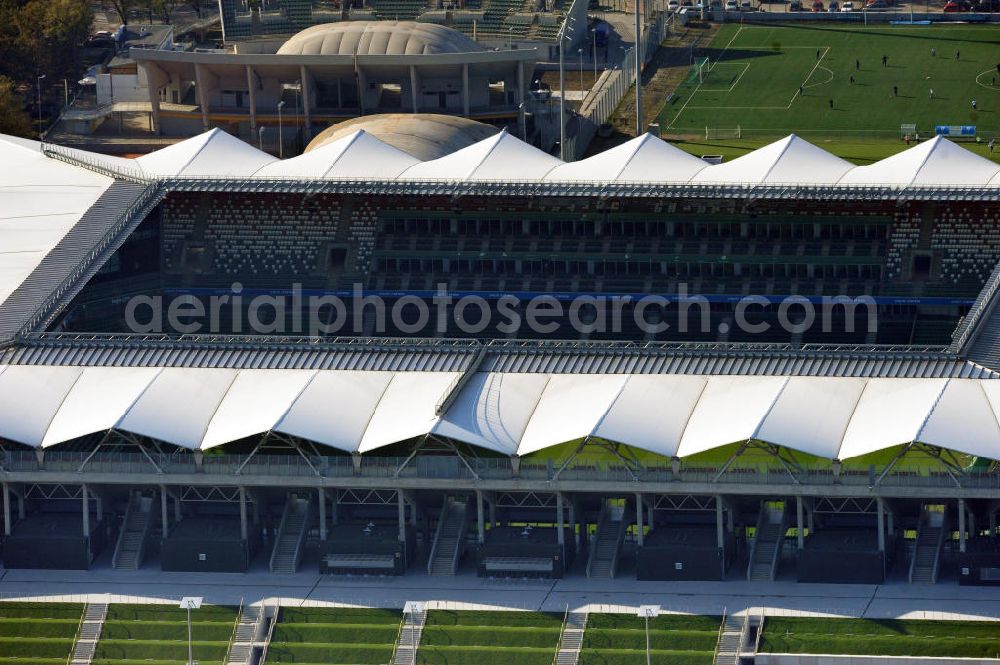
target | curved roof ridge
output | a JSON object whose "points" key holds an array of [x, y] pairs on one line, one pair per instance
{"points": [[788, 140]]}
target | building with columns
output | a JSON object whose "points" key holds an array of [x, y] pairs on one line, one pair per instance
{"points": [[333, 72]]}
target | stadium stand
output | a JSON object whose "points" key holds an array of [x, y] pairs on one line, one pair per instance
{"points": [[617, 639]]}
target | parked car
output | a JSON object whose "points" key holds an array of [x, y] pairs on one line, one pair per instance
{"points": [[732, 6], [673, 5], [795, 6], [833, 6], [876, 5], [952, 7], [848, 6], [817, 6]]}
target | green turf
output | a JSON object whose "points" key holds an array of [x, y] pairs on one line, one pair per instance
{"points": [[754, 85], [489, 638], [613, 639], [969, 639], [37, 633], [334, 636], [157, 634]]}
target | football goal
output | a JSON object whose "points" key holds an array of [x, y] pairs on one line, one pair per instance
{"points": [[699, 70], [723, 132]]}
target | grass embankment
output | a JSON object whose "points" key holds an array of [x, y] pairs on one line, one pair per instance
{"points": [[620, 639], [37, 633], [881, 637], [157, 635], [334, 636], [489, 638]]}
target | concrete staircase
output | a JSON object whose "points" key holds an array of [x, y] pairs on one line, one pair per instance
{"points": [[449, 541], [409, 636], [132, 538], [241, 649], [770, 538], [291, 534], [571, 641], [727, 651], [603, 561], [89, 633], [926, 559]]}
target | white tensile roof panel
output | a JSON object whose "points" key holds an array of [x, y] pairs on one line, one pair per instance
{"points": [[500, 157], [357, 155], [571, 406], [948, 163], [214, 153], [178, 405], [889, 413], [492, 410], [651, 411], [642, 159], [29, 399], [812, 414], [97, 401], [407, 408], [254, 403], [40, 201], [903, 167], [730, 409], [964, 421], [336, 407], [790, 160]]}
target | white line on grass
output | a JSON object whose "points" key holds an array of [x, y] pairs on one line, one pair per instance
{"points": [[746, 66], [698, 87], [825, 49]]}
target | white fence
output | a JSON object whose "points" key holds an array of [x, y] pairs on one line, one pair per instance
{"points": [[609, 90]]}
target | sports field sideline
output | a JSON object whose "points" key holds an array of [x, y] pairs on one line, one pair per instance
{"points": [[770, 81]]}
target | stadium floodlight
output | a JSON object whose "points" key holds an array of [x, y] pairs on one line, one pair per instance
{"points": [[190, 603], [281, 151], [646, 612]]}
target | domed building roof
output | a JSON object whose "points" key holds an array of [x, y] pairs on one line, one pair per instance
{"points": [[378, 38], [426, 136]]}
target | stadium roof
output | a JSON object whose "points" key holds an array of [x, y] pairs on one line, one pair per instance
{"points": [[789, 160], [41, 200], [378, 38], [356, 155], [214, 153], [934, 162], [510, 413], [642, 158], [500, 157]]}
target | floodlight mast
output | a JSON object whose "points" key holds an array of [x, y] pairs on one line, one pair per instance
{"points": [[190, 603]]}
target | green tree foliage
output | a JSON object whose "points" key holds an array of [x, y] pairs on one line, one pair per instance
{"points": [[13, 119]]}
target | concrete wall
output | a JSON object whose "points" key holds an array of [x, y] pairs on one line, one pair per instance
{"points": [[814, 659]]}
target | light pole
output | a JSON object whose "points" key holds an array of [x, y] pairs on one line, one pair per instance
{"points": [[593, 41], [579, 55], [510, 38], [524, 122], [647, 612], [260, 138], [562, 95], [298, 89], [638, 70], [190, 603], [281, 147], [39, 86]]}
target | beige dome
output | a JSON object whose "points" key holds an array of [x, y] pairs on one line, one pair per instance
{"points": [[378, 38], [426, 136]]}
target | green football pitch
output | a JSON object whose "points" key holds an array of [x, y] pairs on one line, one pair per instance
{"points": [[771, 81]]}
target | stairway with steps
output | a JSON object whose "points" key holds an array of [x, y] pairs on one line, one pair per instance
{"points": [[603, 560], [727, 652], [409, 636], [132, 538], [768, 542], [927, 549], [89, 633], [571, 641], [291, 534], [449, 540], [241, 648]]}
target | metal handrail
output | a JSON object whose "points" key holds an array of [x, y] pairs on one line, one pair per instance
{"points": [[232, 636], [562, 633], [971, 320], [437, 534], [76, 638], [718, 638], [270, 632]]}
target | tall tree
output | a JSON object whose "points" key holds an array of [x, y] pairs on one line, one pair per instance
{"points": [[13, 119]]}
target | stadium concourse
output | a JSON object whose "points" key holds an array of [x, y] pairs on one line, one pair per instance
{"points": [[821, 456]]}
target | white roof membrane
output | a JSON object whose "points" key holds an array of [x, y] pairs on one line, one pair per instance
{"points": [[29, 399], [178, 406], [642, 159], [499, 157], [357, 155], [963, 420], [407, 408], [790, 160], [492, 410], [890, 412], [212, 154], [730, 410], [97, 401], [571, 406], [651, 411], [254, 403]]}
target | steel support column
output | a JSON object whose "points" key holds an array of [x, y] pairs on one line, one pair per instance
{"points": [[961, 525], [800, 538], [401, 508], [86, 511], [164, 511], [466, 103], [480, 527], [252, 94], [321, 494], [6, 509], [639, 535], [720, 536], [881, 524], [560, 533], [244, 528]]}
